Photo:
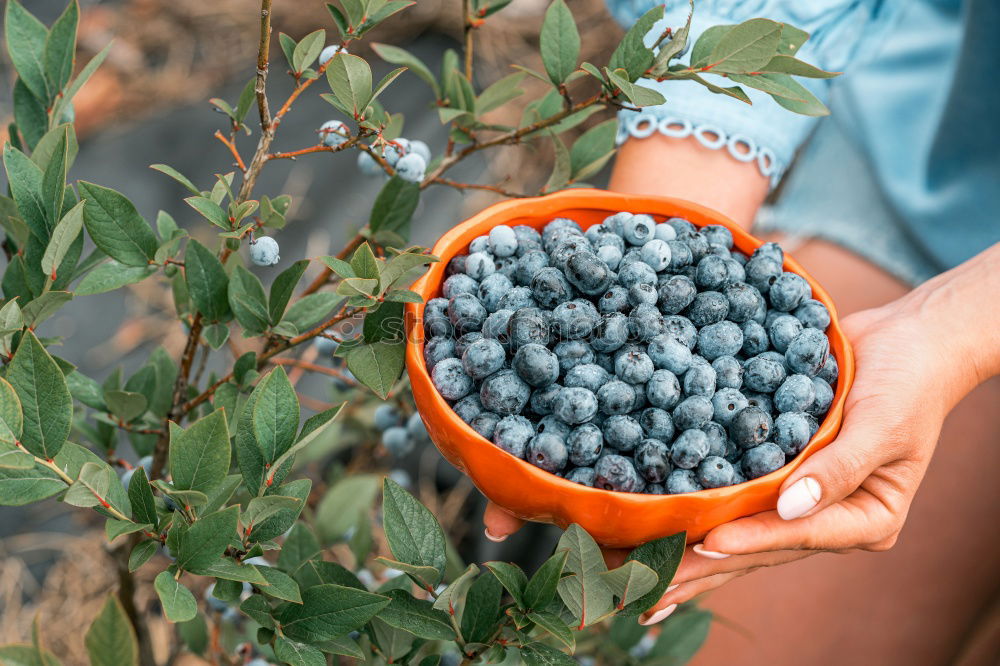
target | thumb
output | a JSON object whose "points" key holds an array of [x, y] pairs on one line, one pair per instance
{"points": [[834, 472], [499, 522]]}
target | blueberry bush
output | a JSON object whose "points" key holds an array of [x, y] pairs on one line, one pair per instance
{"points": [[216, 500]]}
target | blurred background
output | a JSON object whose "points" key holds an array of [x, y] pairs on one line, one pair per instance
{"points": [[149, 104]]}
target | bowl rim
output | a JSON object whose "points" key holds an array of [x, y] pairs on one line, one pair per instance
{"points": [[456, 240]]}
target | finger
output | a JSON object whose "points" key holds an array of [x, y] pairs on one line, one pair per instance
{"points": [[695, 566], [499, 523], [864, 444], [685, 592], [614, 557], [858, 521]]}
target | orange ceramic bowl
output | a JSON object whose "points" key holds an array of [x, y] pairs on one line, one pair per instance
{"points": [[619, 520]]}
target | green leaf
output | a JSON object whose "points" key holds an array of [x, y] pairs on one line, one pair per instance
{"points": [[280, 585], [403, 296], [423, 576], [448, 599], [141, 554], [540, 654], [63, 237], [11, 420], [24, 486], [416, 616], [116, 226], [275, 414], [482, 609], [178, 603], [287, 47], [227, 569], [110, 640], [681, 637], [386, 323], [199, 455], [350, 79], [561, 169], [560, 42], [110, 276], [140, 495], [328, 611], [310, 310], [16, 459], [44, 307], [592, 150], [414, 535], [393, 643], [500, 93], [791, 39], [377, 365], [18, 654], [25, 36], [298, 654], [746, 47], [307, 50], [398, 56], [786, 64], [194, 634], [30, 116], [25, 182], [11, 320], [675, 47], [345, 503], [211, 211], [78, 82], [630, 581], [771, 87], [357, 287], [394, 206], [663, 556], [51, 141], [701, 52], [553, 624], [260, 509], [258, 609], [125, 405], [247, 300], [206, 281], [632, 54], [585, 593], [735, 91], [401, 264], [339, 267], [512, 578], [54, 178], [283, 287], [46, 403], [204, 542], [98, 486], [60, 47], [810, 107], [178, 176], [363, 262], [639, 95]]}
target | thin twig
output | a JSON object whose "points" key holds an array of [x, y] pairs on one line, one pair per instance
{"points": [[263, 54], [314, 367], [477, 186], [467, 27], [232, 148]]}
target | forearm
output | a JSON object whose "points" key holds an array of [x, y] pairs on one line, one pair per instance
{"points": [[685, 169]]}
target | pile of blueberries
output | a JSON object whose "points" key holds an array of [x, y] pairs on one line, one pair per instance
{"points": [[636, 356]]}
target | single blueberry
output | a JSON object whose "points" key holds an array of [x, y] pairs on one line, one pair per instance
{"points": [[572, 353], [574, 405], [634, 367], [744, 301], [763, 374], [645, 322], [463, 342], [622, 432], [333, 133], [637, 272], [726, 404], [715, 472], [682, 481], [504, 392], [606, 361], [513, 433], [455, 265], [763, 459], [664, 232], [536, 364], [615, 299], [438, 349], [264, 251], [728, 372], [632, 255], [663, 390], [700, 378], [735, 273], [657, 424], [782, 330], [459, 283], [468, 407], [791, 432], [708, 307], [680, 256], [541, 399], [718, 235], [485, 423], [616, 397], [502, 241], [830, 371], [588, 273], [762, 271], [548, 451], [755, 338], [651, 460], [553, 425], [762, 400], [711, 272], [450, 379], [466, 313], [813, 314], [655, 489], [492, 289], [480, 264], [549, 287], [722, 338], [718, 439], [614, 472], [669, 354], [528, 265], [642, 294], [689, 449], [560, 255], [585, 444], [575, 319], [495, 326], [750, 427], [386, 416], [656, 253], [518, 298], [484, 357], [611, 256], [676, 293], [807, 353], [824, 397], [697, 243], [411, 168], [587, 375], [638, 229], [681, 329], [771, 250], [397, 441], [788, 292], [527, 326], [611, 332], [693, 412]]}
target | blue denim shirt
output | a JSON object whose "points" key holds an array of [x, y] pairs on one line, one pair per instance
{"points": [[906, 170]]}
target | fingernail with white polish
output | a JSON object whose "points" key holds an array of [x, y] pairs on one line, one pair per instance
{"points": [[659, 616], [671, 588], [710, 554], [494, 539], [801, 498]]}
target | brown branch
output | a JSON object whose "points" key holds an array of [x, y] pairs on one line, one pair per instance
{"points": [[468, 27], [263, 54], [318, 148], [232, 148], [180, 388], [314, 367], [126, 595], [476, 186]]}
